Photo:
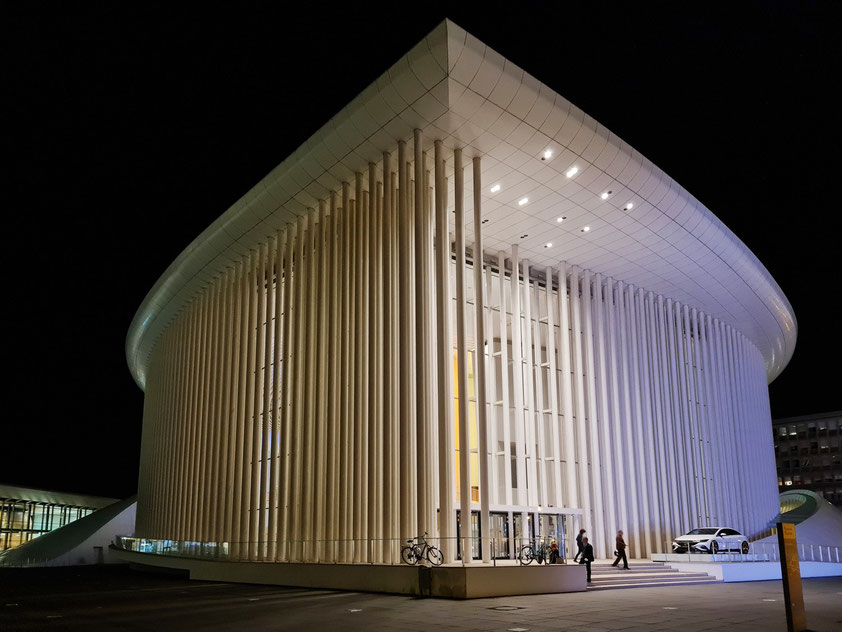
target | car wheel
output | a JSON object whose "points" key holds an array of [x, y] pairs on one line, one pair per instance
{"points": [[744, 548], [714, 548]]}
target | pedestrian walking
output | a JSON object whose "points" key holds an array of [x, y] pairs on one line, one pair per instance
{"points": [[579, 544], [620, 551], [587, 556]]}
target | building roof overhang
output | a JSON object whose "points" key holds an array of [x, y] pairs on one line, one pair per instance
{"points": [[457, 90]]}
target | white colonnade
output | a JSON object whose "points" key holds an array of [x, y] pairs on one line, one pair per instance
{"points": [[363, 369]]}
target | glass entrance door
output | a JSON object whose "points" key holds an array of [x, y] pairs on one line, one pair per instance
{"points": [[499, 525], [551, 527], [476, 547], [523, 532]]}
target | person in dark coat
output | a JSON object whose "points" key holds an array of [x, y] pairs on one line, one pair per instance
{"points": [[620, 551], [579, 545], [587, 556]]}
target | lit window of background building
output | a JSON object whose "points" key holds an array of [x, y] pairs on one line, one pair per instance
{"points": [[807, 452]]}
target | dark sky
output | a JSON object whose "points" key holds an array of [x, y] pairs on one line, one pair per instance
{"points": [[126, 131]]}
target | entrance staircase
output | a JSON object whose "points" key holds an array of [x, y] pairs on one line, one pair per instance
{"points": [[643, 575]]}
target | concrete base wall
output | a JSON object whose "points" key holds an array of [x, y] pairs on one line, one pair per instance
{"points": [[455, 582], [756, 571]]}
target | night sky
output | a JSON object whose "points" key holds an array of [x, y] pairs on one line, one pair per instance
{"points": [[126, 131]]}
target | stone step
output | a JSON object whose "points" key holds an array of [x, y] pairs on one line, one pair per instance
{"points": [[652, 584], [632, 570], [668, 579]]}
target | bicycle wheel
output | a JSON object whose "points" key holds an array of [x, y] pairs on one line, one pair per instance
{"points": [[434, 556], [526, 555], [409, 555]]}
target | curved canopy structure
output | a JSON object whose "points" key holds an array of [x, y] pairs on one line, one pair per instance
{"points": [[642, 227]]}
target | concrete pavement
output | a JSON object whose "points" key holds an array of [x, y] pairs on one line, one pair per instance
{"points": [[97, 598]]}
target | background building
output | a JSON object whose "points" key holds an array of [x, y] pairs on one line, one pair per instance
{"points": [[461, 297], [807, 454], [26, 514]]}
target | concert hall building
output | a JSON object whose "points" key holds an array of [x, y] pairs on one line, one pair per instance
{"points": [[462, 296]]}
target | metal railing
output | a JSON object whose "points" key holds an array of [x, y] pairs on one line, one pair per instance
{"points": [[351, 551]]}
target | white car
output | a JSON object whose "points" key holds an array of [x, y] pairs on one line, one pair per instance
{"points": [[711, 540]]}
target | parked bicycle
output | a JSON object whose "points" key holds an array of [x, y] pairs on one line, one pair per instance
{"points": [[534, 552], [418, 549]]}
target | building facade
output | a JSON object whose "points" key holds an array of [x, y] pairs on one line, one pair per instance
{"points": [[807, 454], [26, 513], [461, 297]]}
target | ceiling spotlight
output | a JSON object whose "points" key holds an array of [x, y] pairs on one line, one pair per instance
{"points": [[549, 244], [605, 195], [522, 201], [629, 206], [561, 219], [495, 188], [586, 229], [548, 153], [572, 171]]}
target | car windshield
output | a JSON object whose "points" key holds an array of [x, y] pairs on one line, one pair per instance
{"points": [[702, 532]]}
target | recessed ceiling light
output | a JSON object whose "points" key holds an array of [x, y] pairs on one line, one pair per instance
{"points": [[549, 244], [586, 229], [561, 219], [548, 153], [572, 171], [495, 188], [604, 195], [629, 206], [522, 201]]}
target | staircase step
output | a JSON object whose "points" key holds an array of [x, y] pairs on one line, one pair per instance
{"points": [[709, 580], [602, 581]]}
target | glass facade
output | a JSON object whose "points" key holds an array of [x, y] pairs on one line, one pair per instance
{"points": [[26, 514], [808, 454]]}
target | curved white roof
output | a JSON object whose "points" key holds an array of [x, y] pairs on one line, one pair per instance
{"points": [[454, 88]]}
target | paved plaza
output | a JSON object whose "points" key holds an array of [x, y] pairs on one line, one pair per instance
{"points": [[115, 598]]}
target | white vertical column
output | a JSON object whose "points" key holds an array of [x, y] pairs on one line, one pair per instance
{"points": [[712, 477], [680, 446], [323, 439], [517, 381], [506, 413], [285, 507], [581, 418], [568, 429], [534, 479], [645, 458], [552, 390], [278, 368], [444, 361], [594, 422], [649, 347], [423, 300], [607, 526], [268, 406], [462, 362], [481, 347], [407, 352], [654, 494], [495, 403], [360, 508], [613, 300], [689, 438], [632, 470]]}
